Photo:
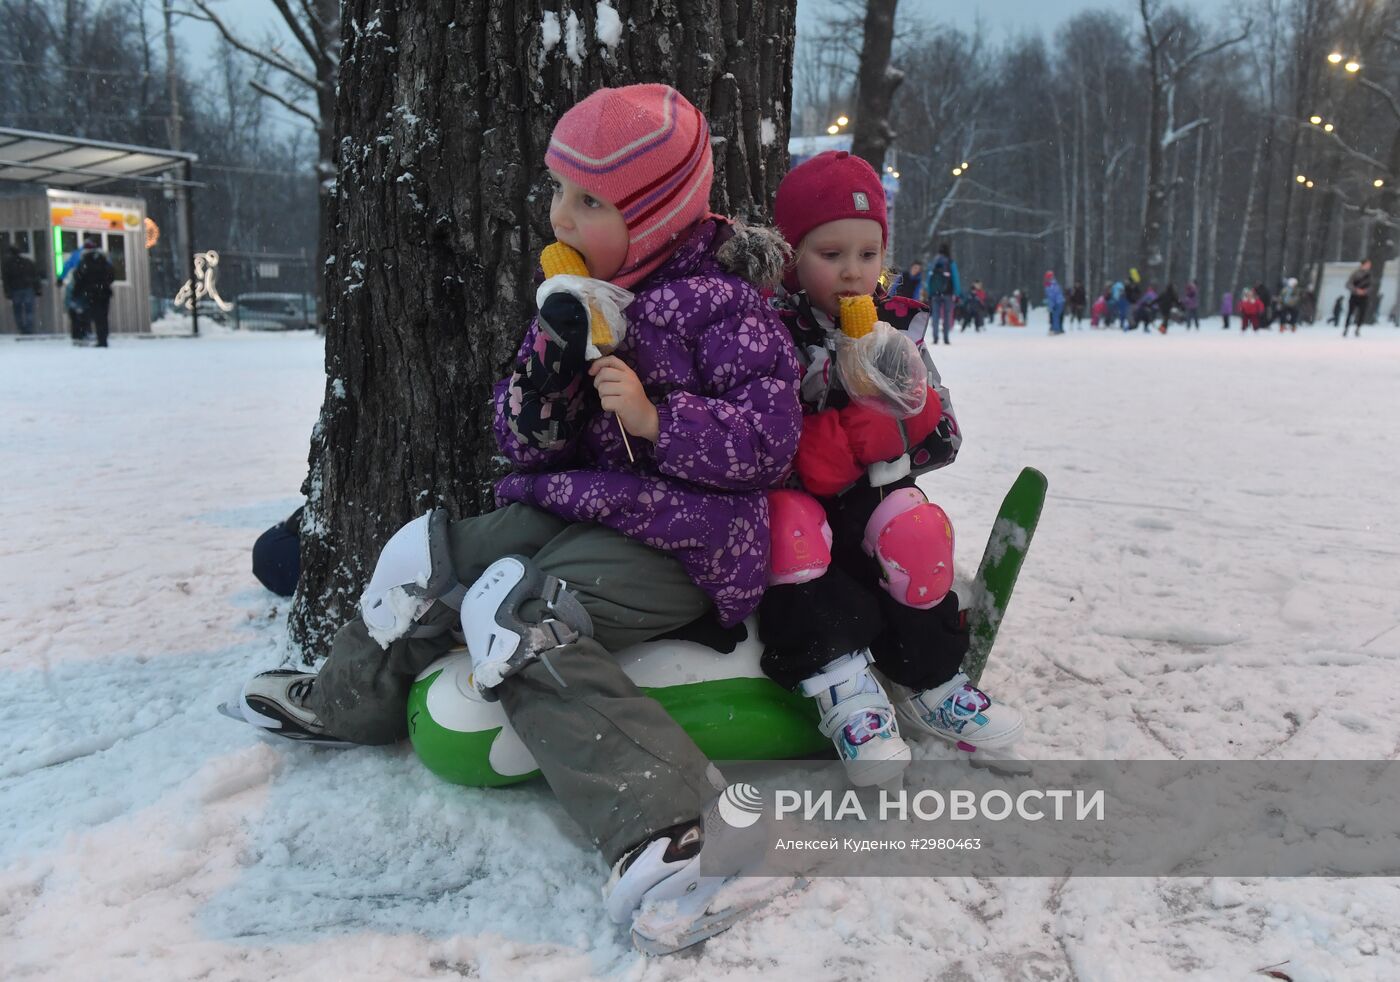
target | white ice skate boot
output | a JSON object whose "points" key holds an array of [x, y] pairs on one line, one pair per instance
{"points": [[858, 718], [657, 888], [962, 714], [275, 702]]}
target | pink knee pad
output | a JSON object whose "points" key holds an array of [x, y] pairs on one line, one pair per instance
{"points": [[801, 537], [913, 540]]}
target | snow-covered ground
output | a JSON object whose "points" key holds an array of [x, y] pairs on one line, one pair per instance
{"points": [[1217, 575]]}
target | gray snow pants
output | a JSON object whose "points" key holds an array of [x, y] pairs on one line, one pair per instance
{"points": [[620, 766]]}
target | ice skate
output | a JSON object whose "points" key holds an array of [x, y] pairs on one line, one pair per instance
{"points": [[859, 719], [962, 714], [658, 888], [275, 702]]}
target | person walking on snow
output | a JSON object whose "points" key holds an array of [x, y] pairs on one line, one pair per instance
{"points": [[942, 289], [1358, 296], [1191, 304], [1055, 302], [22, 286], [1120, 304]]}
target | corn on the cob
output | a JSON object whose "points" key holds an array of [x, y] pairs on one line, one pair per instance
{"points": [[857, 316], [558, 259]]}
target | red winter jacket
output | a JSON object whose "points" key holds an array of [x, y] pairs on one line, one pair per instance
{"points": [[840, 438]]}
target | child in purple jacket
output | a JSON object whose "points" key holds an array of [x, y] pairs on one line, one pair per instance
{"points": [[637, 504]]}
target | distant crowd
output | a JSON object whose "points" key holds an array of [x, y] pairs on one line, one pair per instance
{"points": [[1131, 304]]}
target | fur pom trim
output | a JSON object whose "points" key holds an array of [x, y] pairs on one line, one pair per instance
{"points": [[757, 253]]}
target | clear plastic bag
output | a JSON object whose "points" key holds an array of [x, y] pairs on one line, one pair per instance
{"points": [[883, 370], [605, 302]]}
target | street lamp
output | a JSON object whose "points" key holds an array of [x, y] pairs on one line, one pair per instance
{"points": [[842, 120], [1335, 57], [1328, 128], [1302, 178], [1315, 119], [957, 172], [1353, 66], [1378, 183], [1308, 185], [833, 129]]}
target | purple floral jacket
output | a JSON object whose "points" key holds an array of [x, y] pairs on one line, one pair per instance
{"points": [[721, 370]]}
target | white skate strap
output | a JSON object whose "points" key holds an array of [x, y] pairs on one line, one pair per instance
{"points": [[843, 671]]}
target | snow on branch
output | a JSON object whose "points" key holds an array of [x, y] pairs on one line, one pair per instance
{"points": [[1173, 135], [1004, 233]]}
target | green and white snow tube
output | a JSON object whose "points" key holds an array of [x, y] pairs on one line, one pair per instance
{"points": [[728, 706]]}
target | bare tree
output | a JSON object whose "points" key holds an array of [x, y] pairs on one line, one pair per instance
{"points": [[873, 133], [310, 74], [1170, 56]]}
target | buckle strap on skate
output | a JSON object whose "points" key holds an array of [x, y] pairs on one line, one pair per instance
{"points": [[501, 641], [842, 670]]}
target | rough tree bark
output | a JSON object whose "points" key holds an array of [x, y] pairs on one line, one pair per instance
{"points": [[872, 134], [443, 115]]}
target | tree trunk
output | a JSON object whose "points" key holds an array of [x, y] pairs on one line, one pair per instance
{"points": [[1380, 244], [1169, 256], [1154, 183], [443, 116], [1233, 283], [872, 134], [1212, 273], [1193, 266]]}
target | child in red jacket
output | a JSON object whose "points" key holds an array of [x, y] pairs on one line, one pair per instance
{"points": [[1251, 311], [879, 593]]}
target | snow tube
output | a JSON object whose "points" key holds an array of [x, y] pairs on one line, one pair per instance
{"points": [[728, 706]]}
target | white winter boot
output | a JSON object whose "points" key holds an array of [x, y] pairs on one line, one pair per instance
{"points": [[859, 719], [962, 714]]}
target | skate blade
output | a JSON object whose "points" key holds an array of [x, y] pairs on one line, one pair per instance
{"points": [[668, 930], [1003, 762], [878, 773], [275, 735]]}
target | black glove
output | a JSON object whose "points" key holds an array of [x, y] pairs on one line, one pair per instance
{"points": [[565, 321]]}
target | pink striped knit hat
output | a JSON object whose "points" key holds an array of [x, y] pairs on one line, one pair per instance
{"points": [[645, 150]]}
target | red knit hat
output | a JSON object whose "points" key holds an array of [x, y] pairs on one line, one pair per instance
{"points": [[645, 150], [830, 186]]}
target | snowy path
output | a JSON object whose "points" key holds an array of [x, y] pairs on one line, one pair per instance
{"points": [[1217, 575]]}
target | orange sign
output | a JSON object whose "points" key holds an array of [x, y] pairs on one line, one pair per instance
{"points": [[92, 217]]}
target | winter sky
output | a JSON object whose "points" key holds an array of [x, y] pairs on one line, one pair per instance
{"points": [[1002, 18]]}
